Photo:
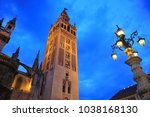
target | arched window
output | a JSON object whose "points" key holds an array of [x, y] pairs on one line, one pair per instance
{"points": [[18, 84], [69, 87], [65, 27], [9, 27], [68, 28], [62, 25], [64, 86]]}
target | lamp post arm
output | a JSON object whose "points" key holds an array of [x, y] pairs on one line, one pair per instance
{"points": [[117, 26], [134, 34], [113, 47]]}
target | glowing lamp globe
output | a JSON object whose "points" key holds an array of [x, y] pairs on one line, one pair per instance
{"points": [[135, 53], [119, 44], [141, 41], [114, 56], [120, 33]]}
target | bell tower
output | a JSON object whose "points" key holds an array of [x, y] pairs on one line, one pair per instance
{"points": [[5, 32], [60, 61]]}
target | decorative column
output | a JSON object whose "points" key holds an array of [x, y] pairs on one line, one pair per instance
{"points": [[126, 45], [142, 79]]}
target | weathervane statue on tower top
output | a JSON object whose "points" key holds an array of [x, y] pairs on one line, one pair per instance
{"points": [[65, 9]]}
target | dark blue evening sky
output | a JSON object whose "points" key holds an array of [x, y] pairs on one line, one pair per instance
{"points": [[99, 76]]}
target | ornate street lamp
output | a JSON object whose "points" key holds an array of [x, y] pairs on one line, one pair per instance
{"points": [[126, 45]]}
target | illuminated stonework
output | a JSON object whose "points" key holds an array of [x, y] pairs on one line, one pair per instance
{"points": [[61, 59], [55, 79]]}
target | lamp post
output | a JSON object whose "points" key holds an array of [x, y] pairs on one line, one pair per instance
{"points": [[126, 45]]}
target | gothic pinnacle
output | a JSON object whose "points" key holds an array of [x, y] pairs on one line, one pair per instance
{"points": [[36, 62], [1, 21], [16, 54]]}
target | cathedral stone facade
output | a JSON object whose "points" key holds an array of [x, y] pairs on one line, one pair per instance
{"points": [[56, 78]]}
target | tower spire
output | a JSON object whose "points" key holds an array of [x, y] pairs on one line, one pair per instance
{"points": [[13, 21], [16, 54], [36, 62], [65, 9], [11, 25], [6, 32], [41, 66], [1, 21], [64, 15]]}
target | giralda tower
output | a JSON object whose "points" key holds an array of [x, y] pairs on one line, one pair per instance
{"points": [[60, 64]]}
